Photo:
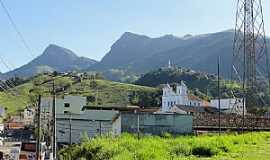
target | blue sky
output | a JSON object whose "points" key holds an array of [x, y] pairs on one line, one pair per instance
{"points": [[90, 27]]}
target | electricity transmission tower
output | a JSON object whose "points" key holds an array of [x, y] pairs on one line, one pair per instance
{"points": [[250, 58]]}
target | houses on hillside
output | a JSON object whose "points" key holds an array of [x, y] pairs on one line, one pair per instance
{"points": [[21, 120]]}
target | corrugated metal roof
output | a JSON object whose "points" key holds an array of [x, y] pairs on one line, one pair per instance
{"points": [[99, 115]]}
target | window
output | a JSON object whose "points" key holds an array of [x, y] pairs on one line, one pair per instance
{"points": [[66, 105]]}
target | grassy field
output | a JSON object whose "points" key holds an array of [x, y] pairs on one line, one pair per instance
{"points": [[15, 99], [101, 92], [251, 146], [108, 93]]}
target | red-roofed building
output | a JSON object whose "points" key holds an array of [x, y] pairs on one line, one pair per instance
{"points": [[15, 122], [195, 101], [205, 103]]}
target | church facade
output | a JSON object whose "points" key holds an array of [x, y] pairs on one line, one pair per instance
{"points": [[171, 98]]}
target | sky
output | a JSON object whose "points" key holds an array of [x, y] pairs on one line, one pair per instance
{"points": [[90, 27]]}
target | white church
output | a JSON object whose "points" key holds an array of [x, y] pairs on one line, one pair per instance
{"points": [[171, 98]]}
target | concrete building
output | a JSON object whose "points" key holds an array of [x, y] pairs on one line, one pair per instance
{"points": [[90, 122], [67, 104], [46, 104], [156, 124], [21, 151], [10, 150], [267, 115], [2, 127], [195, 101], [28, 116], [15, 122], [70, 104], [2, 112], [73, 119], [230, 105]]}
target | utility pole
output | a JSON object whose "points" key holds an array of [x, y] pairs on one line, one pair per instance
{"points": [[54, 122], [70, 129], [138, 124], [100, 132], [39, 130], [219, 125]]}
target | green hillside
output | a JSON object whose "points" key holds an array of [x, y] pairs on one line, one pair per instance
{"points": [[15, 99], [99, 92], [201, 84]]}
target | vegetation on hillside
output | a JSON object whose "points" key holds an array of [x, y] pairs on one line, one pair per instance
{"points": [[99, 92], [120, 75], [205, 86], [201, 84], [127, 147]]}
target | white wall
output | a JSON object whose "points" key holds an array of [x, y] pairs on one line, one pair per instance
{"points": [[195, 103], [28, 116], [89, 123], [79, 128], [116, 126], [76, 104], [1, 127], [234, 105], [171, 98], [46, 104]]}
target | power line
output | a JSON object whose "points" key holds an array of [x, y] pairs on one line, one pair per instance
{"points": [[8, 85], [8, 82], [15, 27]]}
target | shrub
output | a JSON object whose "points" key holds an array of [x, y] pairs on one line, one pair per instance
{"points": [[203, 151], [181, 150], [166, 135]]}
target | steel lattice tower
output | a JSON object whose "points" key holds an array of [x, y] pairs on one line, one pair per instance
{"points": [[250, 58]]}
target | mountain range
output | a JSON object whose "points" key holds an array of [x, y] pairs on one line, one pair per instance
{"points": [[134, 53], [54, 58], [141, 54]]}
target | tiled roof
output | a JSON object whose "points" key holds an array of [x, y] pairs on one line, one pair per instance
{"points": [[193, 109], [194, 98]]}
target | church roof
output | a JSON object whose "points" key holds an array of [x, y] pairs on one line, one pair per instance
{"points": [[165, 85], [194, 98], [183, 84]]}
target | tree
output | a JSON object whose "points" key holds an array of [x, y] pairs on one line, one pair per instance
{"points": [[91, 99], [93, 84]]}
